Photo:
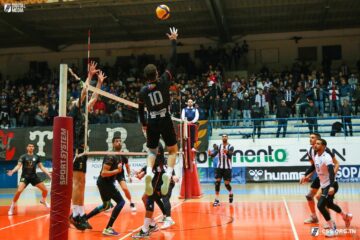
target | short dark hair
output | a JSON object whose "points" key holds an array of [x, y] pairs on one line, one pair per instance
{"points": [[323, 142], [318, 136], [150, 72], [114, 138]]}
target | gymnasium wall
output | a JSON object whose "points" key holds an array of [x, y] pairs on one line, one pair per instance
{"points": [[273, 49]]}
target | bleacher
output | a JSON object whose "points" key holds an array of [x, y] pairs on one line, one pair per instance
{"points": [[296, 127]]}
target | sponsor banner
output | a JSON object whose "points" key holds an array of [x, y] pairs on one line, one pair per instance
{"points": [[275, 174], [348, 174], [13, 141], [282, 152], [207, 175]]}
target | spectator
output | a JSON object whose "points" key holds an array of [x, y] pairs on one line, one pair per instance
{"points": [[311, 117], [318, 95], [256, 115], [282, 114], [345, 113], [345, 91], [356, 96], [117, 116], [260, 99], [246, 107], [234, 103], [224, 109], [289, 99], [334, 99]]}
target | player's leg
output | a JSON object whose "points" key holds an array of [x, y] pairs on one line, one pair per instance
{"points": [[148, 221], [105, 195], [22, 185], [347, 217], [218, 177], [153, 137], [78, 218], [120, 202], [125, 189], [169, 136], [322, 208], [168, 221], [40, 185], [227, 181], [315, 186]]}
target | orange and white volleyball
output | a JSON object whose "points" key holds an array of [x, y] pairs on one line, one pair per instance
{"points": [[163, 12]]}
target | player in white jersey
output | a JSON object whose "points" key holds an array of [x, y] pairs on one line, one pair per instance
{"points": [[223, 169], [315, 190], [324, 167]]}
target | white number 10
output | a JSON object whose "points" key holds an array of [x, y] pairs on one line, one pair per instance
{"points": [[155, 98]]}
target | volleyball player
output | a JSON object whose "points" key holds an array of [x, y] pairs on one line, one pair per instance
{"points": [[155, 96], [223, 169], [315, 190], [28, 163], [162, 201], [78, 218], [122, 180], [324, 166], [112, 169]]}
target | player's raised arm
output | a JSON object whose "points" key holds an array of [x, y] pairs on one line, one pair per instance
{"points": [[170, 68]]}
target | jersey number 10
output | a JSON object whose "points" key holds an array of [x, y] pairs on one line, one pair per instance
{"points": [[155, 98]]}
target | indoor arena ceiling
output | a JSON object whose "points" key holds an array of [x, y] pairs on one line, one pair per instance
{"points": [[57, 25]]}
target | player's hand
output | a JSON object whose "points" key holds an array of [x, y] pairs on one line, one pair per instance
{"points": [[175, 179], [331, 191], [92, 68], [209, 152], [120, 165], [101, 76], [10, 173], [173, 34], [225, 151], [304, 179]]}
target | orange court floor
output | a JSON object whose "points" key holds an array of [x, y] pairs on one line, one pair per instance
{"points": [[259, 211]]}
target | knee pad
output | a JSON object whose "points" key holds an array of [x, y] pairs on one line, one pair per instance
{"points": [[106, 205], [150, 204], [217, 186], [152, 152], [120, 204], [310, 196]]}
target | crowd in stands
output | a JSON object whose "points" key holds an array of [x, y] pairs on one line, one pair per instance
{"points": [[306, 93]]}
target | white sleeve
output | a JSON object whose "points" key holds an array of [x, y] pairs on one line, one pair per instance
{"points": [[183, 115], [328, 160], [196, 118]]}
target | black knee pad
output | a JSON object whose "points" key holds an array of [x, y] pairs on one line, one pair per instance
{"points": [[217, 186], [150, 204]]}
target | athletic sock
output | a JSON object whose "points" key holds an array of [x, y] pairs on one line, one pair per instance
{"points": [[147, 222]]}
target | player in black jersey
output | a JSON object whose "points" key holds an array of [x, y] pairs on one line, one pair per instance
{"points": [[162, 201], [78, 218], [223, 169], [315, 190], [155, 96], [112, 169], [28, 162]]}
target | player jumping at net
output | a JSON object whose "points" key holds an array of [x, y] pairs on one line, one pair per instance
{"points": [[112, 169], [78, 217], [28, 162], [223, 169], [315, 190], [162, 201], [324, 166], [155, 96]]}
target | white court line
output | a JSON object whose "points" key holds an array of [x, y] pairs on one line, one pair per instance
{"points": [[16, 224], [156, 218], [291, 220]]}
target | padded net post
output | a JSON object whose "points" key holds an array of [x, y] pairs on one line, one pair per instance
{"points": [[190, 185], [61, 184]]}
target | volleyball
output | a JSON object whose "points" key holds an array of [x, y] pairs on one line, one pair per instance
{"points": [[163, 12]]}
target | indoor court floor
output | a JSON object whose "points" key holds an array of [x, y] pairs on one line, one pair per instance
{"points": [[259, 211]]}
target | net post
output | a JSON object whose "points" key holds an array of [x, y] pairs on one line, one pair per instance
{"points": [[62, 156]]}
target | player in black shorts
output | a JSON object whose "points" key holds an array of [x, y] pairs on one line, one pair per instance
{"points": [[112, 169], [223, 169], [315, 190], [155, 96], [77, 111], [28, 162], [163, 201]]}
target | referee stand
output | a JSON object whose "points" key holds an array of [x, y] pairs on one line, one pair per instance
{"points": [[190, 185]]}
